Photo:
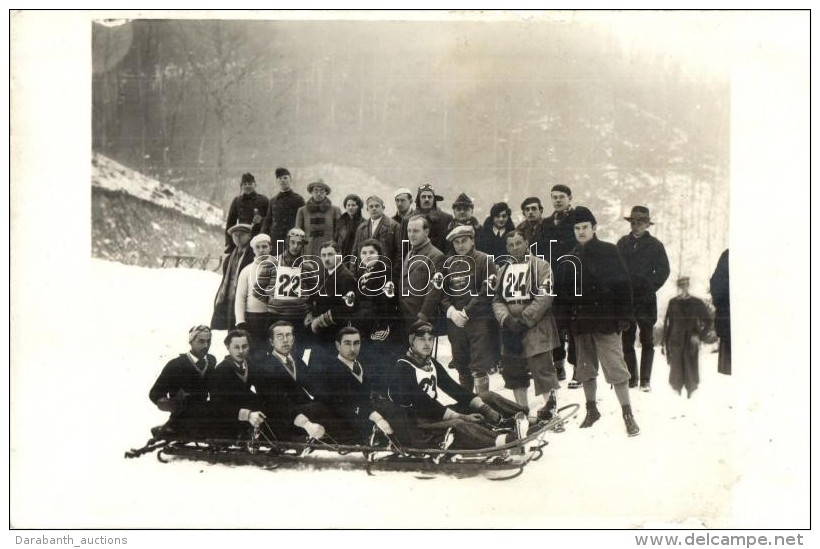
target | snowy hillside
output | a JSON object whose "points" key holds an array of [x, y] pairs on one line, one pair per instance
{"points": [[714, 460], [137, 220], [111, 175]]}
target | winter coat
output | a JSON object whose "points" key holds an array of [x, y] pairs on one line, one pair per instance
{"points": [[243, 209], [687, 321], [417, 271], [345, 233], [319, 223], [465, 284], [533, 233], [648, 267], [606, 296], [559, 227], [487, 242], [224, 317], [281, 216], [719, 288], [388, 235], [526, 299]]}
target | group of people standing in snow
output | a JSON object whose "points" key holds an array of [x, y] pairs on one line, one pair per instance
{"points": [[304, 282]]}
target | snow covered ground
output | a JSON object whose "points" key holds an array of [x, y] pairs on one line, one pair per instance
{"points": [[716, 460]]}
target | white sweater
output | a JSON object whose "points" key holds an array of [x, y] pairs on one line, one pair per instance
{"points": [[246, 300]]}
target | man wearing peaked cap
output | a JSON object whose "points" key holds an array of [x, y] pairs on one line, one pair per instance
{"points": [[462, 216], [249, 208], [648, 267], [599, 310], [241, 254], [471, 325]]}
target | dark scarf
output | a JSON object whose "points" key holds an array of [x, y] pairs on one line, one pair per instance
{"points": [[313, 207], [425, 364]]}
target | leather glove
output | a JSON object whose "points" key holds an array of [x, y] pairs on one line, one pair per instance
{"points": [[514, 325]]}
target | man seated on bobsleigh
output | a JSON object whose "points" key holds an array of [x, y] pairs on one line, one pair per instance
{"points": [[182, 388], [474, 420], [348, 388], [285, 388]]}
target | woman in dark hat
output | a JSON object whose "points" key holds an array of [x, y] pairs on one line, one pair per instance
{"points": [[318, 217], [345, 233]]}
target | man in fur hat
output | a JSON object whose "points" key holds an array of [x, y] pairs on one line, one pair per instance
{"points": [[426, 205], [648, 267], [462, 216]]}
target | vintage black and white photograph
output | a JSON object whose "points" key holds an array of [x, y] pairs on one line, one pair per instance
{"points": [[392, 269]]}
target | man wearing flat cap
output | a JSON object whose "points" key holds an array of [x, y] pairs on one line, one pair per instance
{"points": [[282, 209], [224, 317], [558, 239], [248, 208], [648, 267], [318, 216], [600, 311], [471, 325]]}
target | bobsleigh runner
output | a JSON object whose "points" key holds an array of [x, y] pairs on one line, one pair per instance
{"points": [[381, 454]]}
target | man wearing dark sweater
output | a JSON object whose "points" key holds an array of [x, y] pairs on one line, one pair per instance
{"points": [[182, 386], [415, 385], [248, 208], [281, 210]]}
